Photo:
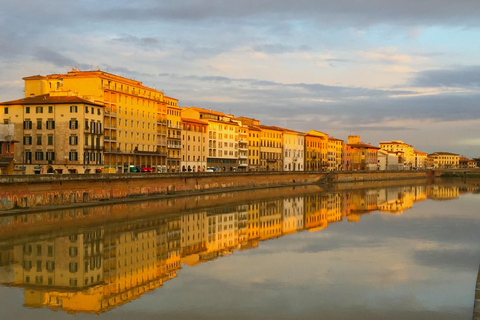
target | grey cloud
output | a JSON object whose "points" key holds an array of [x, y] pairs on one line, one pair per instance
{"points": [[333, 12], [57, 59], [145, 41], [465, 77], [348, 106], [280, 48]]}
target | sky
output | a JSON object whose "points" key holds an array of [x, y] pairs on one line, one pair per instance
{"points": [[382, 69]]}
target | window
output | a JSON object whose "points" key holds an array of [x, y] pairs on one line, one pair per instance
{"points": [[73, 282], [50, 266], [73, 140], [38, 279], [73, 267], [27, 140], [86, 125], [50, 124], [27, 124], [86, 109], [27, 109], [50, 109], [50, 155], [50, 140], [39, 140], [73, 124], [38, 155], [73, 156], [5, 110], [73, 109], [73, 251], [39, 109], [39, 265]]}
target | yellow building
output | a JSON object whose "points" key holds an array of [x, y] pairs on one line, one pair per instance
{"points": [[243, 150], [442, 160], [174, 135], [400, 146], [316, 151], [194, 145], [253, 142], [254, 136], [58, 134], [134, 117], [222, 137], [420, 159], [271, 148], [362, 156], [335, 154]]}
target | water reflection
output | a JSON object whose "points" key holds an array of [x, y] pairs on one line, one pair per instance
{"points": [[98, 258]]}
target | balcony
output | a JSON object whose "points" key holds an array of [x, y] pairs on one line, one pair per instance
{"points": [[173, 126], [174, 136], [110, 113], [242, 156], [174, 146]]}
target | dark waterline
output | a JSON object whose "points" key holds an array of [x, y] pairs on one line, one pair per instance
{"points": [[406, 252]]}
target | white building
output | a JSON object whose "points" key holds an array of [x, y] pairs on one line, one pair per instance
{"points": [[293, 150]]}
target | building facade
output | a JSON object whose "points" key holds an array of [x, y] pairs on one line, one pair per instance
{"points": [[59, 134], [134, 115]]}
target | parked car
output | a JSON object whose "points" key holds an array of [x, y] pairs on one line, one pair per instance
{"points": [[210, 170]]}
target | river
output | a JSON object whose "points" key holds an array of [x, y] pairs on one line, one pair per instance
{"points": [[401, 252]]}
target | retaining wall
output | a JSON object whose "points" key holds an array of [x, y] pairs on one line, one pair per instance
{"points": [[27, 191]]}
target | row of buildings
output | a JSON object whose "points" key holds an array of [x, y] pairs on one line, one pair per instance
{"points": [[97, 268], [93, 121]]}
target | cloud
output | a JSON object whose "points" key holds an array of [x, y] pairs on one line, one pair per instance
{"points": [[57, 59], [346, 12], [463, 76], [143, 42], [280, 48]]}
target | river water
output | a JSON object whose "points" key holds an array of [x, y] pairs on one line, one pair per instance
{"points": [[401, 252]]}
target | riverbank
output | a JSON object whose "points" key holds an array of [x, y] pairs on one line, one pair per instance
{"points": [[49, 191]]}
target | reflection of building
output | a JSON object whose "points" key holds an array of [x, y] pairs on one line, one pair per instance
{"points": [[292, 218], [99, 268], [442, 192], [315, 209], [193, 233], [270, 213], [396, 200]]}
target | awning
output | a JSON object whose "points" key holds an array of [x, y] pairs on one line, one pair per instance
{"points": [[5, 161]]}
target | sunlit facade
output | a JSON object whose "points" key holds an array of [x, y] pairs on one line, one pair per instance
{"points": [[134, 115]]}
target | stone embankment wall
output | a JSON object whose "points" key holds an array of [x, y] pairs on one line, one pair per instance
{"points": [[18, 192]]}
